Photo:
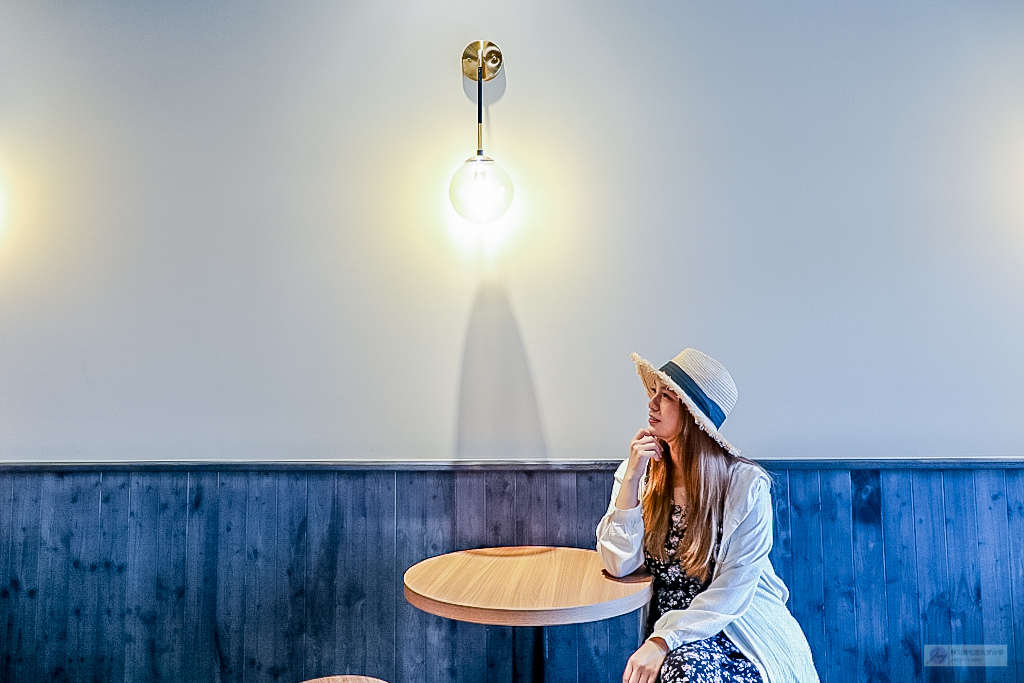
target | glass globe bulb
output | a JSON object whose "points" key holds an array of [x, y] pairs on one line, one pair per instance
{"points": [[481, 191]]}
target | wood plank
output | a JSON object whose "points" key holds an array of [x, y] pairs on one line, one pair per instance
{"points": [[383, 578], [593, 492], [964, 573], [200, 600], [808, 590], [1015, 520], [411, 547], [869, 576], [932, 575], [70, 504], [368, 590], [470, 532], [530, 508], [561, 508], [111, 634], [290, 569], [561, 641], [901, 590], [83, 587], [593, 653], [142, 613], [530, 514], [24, 647], [439, 514], [232, 501], [500, 508], [59, 546], [443, 660], [841, 651], [172, 525], [7, 542], [993, 562], [782, 541], [425, 520], [324, 532], [155, 576], [261, 600], [470, 503], [501, 530], [52, 573], [350, 645], [625, 633]]}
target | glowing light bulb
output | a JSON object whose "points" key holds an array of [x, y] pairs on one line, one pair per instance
{"points": [[481, 191]]}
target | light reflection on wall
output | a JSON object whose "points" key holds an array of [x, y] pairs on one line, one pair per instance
{"points": [[4, 193], [1000, 173], [3, 205]]}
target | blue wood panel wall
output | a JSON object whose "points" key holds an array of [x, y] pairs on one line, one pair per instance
{"points": [[245, 573]]}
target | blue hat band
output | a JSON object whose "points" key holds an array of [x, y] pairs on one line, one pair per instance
{"points": [[695, 393]]}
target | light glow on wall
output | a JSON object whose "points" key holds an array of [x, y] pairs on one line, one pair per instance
{"points": [[3, 204], [1003, 176]]}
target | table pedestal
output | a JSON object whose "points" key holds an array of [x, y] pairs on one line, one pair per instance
{"points": [[529, 651]]}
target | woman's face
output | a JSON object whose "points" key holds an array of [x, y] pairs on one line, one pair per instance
{"points": [[665, 412]]}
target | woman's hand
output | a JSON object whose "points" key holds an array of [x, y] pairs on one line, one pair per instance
{"points": [[644, 665], [642, 449]]}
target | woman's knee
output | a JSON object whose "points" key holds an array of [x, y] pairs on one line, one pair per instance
{"points": [[684, 665]]}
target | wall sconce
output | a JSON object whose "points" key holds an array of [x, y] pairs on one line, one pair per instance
{"points": [[481, 190]]}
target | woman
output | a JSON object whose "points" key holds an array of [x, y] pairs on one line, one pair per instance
{"points": [[699, 515]]}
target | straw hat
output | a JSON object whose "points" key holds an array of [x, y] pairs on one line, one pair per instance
{"points": [[702, 383]]}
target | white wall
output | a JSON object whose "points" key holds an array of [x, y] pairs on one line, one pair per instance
{"points": [[228, 234]]}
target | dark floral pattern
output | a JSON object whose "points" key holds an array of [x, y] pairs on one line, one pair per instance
{"points": [[712, 660]]}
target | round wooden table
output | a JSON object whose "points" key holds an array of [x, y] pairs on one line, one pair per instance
{"points": [[523, 586]]}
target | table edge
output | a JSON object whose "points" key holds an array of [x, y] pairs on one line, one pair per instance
{"points": [[494, 616]]}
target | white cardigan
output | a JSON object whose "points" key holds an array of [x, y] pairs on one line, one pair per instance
{"points": [[745, 598]]}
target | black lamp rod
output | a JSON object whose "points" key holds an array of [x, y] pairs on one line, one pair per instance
{"points": [[480, 106]]}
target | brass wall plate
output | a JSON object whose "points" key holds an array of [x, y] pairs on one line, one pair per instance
{"points": [[491, 59]]}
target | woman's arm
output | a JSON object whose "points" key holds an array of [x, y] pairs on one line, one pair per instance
{"points": [[730, 593], [620, 533]]}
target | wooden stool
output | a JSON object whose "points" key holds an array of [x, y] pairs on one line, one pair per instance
{"points": [[345, 679]]}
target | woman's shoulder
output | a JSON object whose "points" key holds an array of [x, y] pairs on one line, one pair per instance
{"points": [[748, 482], [746, 473]]}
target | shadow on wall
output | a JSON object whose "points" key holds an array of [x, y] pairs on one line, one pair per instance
{"points": [[498, 413]]}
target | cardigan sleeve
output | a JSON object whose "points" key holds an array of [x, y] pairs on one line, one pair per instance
{"points": [[620, 534], [739, 568]]}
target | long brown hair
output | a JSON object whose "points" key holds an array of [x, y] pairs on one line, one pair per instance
{"points": [[706, 467]]}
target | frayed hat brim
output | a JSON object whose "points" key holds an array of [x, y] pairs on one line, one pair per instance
{"points": [[647, 372]]}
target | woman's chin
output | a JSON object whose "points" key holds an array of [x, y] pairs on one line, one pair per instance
{"points": [[656, 430]]}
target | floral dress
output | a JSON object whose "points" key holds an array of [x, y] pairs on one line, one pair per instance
{"points": [[712, 660]]}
